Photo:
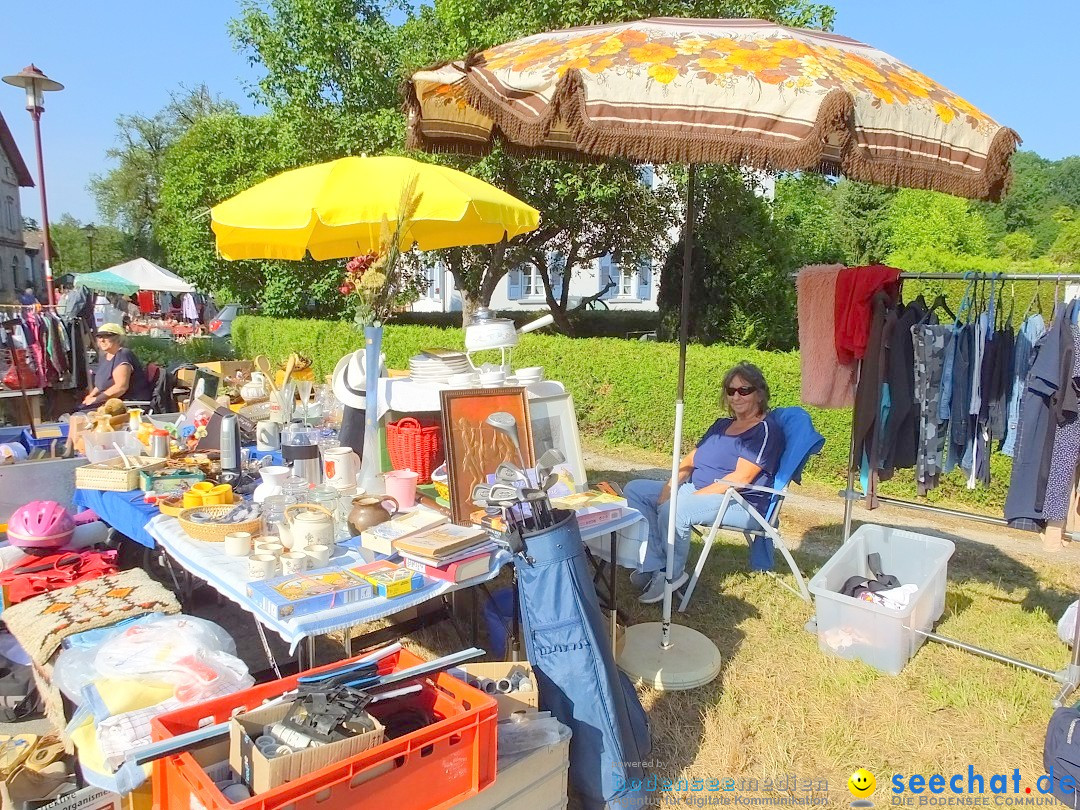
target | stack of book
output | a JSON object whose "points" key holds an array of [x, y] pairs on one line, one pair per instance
{"points": [[449, 553], [593, 507], [384, 537]]}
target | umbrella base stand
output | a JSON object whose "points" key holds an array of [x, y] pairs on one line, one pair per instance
{"points": [[692, 660]]}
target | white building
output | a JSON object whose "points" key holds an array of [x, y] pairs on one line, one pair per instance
{"points": [[634, 284]]}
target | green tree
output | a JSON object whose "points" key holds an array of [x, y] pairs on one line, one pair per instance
{"points": [[218, 157], [918, 219], [1066, 248], [805, 208], [740, 288], [332, 73], [1018, 245], [128, 194], [861, 221], [111, 245]]}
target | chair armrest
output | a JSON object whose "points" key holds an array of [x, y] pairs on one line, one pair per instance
{"points": [[753, 487]]}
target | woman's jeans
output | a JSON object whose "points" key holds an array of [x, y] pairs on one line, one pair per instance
{"points": [[690, 510]]}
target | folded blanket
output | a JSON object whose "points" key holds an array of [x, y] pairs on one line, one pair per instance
{"points": [[825, 382]]}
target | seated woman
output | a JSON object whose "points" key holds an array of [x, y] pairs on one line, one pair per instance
{"points": [[118, 374], [744, 448]]}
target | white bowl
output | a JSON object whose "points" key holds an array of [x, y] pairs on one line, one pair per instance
{"points": [[530, 372], [492, 377]]}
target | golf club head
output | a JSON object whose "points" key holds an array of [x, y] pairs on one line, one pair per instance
{"points": [[551, 480], [507, 473], [481, 492], [506, 424], [550, 458], [504, 492]]}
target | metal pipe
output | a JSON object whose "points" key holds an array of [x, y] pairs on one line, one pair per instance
{"points": [[971, 648], [46, 248], [849, 491], [956, 513], [987, 276]]}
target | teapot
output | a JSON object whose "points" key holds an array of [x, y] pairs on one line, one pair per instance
{"points": [[307, 524], [254, 391], [368, 511]]}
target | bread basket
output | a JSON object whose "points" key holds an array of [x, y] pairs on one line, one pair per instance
{"points": [[212, 532]]}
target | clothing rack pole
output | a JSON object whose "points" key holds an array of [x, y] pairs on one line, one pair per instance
{"points": [[1069, 677]]}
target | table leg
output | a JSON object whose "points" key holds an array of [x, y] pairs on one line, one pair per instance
{"points": [[35, 409], [348, 642], [310, 644], [517, 622], [611, 592], [266, 647]]}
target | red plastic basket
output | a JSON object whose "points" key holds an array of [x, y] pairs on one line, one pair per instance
{"points": [[415, 447], [434, 767]]}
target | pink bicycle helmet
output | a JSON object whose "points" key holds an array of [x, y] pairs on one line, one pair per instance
{"points": [[40, 525]]}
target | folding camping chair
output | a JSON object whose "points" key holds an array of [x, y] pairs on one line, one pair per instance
{"points": [[761, 532]]}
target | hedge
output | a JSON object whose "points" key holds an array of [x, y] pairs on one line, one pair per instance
{"points": [[623, 390], [591, 323], [166, 352]]}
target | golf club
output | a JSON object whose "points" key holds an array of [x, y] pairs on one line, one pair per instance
{"points": [[481, 492], [507, 473], [547, 460], [551, 480], [506, 424]]}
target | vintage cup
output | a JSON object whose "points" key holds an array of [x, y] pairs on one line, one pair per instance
{"points": [[340, 465], [273, 549], [262, 566], [268, 435], [238, 544], [401, 486], [293, 562], [318, 555]]}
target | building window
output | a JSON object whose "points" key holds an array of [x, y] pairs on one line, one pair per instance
{"points": [[9, 209], [627, 281], [532, 283]]}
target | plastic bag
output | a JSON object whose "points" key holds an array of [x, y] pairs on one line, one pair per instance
{"points": [[1067, 624]]}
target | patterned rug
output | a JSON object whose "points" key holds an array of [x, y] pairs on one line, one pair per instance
{"points": [[41, 624]]}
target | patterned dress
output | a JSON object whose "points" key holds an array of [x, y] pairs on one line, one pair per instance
{"points": [[929, 341], [1066, 447]]}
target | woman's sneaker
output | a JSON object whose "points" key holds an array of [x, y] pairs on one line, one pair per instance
{"points": [[655, 591], [641, 579]]}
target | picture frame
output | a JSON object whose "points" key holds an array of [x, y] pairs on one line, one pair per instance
{"points": [[554, 425], [474, 449]]}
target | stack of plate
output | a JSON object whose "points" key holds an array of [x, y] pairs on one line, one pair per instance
{"points": [[427, 368]]}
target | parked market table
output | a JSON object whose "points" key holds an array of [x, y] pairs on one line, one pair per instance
{"points": [[33, 399], [126, 512]]}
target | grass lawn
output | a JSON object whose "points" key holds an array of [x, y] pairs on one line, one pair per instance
{"points": [[781, 706]]}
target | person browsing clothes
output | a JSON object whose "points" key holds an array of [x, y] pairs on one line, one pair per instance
{"points": [[118, 374], [743, 448]]}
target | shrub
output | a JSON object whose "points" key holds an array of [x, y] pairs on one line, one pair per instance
{"points": [[616, 323], [624, 391], [166, 352]]}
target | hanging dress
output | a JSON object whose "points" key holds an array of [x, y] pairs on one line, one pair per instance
{"points": [[930, 342], [1059, 485]]}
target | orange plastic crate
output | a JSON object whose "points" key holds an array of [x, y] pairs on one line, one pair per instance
{"points": [[434, 767]]}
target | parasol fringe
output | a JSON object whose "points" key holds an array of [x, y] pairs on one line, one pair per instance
{"points": [[831, 144]]}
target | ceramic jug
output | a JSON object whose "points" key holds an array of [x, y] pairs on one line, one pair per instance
{"points": [[368, 511], [340, 466], [307, 524], [272, 480], [254, 391]]}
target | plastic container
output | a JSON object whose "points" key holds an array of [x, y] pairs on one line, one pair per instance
{"points": [[50, 430], [885, 639], [434, 767], [99, 446]]}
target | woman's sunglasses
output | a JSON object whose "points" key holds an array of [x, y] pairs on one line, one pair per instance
{"points": [[742, 390]]}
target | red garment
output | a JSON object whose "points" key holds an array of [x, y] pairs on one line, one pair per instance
{"points": [[37, 575], [855, 287], [146, 301]]}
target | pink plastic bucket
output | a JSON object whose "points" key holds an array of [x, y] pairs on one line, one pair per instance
{"points": [[401, 486]]}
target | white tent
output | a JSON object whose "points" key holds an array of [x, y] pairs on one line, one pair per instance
{"points": [[151, 277]]}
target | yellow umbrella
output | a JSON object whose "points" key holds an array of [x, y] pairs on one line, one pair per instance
{"points": [[336, 209]]}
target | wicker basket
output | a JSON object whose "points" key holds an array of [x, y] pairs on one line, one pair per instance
{"points": [[174, 506], [414, 447], [215, 532], [112, 476]]}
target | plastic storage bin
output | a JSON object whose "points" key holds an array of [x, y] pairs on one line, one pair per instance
{"points": [[99, 446], [434, 767], [879, 636], [48, 431]]}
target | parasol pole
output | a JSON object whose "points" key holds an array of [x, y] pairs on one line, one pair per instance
{"points": [[684, 658], [676, 450]]}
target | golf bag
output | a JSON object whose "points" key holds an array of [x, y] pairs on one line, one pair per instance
{"points": [[1061, 755], [579, 682]]}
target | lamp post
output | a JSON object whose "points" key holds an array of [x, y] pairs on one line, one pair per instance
{"points": [[36, 84], [90, 232]]}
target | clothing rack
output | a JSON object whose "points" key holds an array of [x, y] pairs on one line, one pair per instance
{"points": [[1069, 677]]}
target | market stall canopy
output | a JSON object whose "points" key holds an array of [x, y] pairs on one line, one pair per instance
{"points": [[148, 276], [336, 209], [105, 281], [742, 92]]}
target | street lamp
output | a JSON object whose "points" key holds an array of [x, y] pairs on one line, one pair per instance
{"points": [[90, 232], [36, 84]]}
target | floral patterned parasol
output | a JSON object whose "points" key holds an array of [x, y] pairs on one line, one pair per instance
{"points": [[745, 92]]}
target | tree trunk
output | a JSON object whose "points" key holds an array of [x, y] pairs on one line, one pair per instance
{"points": [[469, 305]]}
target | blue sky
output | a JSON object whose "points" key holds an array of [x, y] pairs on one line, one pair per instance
{"points": [[125, 56]]}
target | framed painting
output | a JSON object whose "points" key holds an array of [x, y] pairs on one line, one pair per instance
{"points": [[474, 447], [554, 426]]}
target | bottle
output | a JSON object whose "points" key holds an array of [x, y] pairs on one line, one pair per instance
{"points": [[159, 443], [230, 449]]}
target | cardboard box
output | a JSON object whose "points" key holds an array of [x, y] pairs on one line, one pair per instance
{"points": [[309, 592], [537, 780], [88, 798], [223, 368], [262, 774], [511, 702]]}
